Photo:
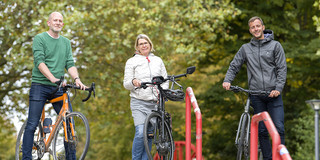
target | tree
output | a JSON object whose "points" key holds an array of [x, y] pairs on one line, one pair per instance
{"points": [[7, 139], [290, 21], [206, 34], [178, 30], [102, 35]]}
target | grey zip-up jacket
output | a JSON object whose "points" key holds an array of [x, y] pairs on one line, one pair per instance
{"points": [[266, 64]]}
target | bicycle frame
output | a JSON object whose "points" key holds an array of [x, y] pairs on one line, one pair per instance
{"points": [[161, 110], [163, 146], [245, 117], [61, 116]]}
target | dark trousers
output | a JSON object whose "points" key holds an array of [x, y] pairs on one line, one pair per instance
{"points": [[274, 106], [39, 94]]}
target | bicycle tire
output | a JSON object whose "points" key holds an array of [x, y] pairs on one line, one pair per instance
{"points": [[242, 148], [78, 143], [35, 151], [165, 149]]}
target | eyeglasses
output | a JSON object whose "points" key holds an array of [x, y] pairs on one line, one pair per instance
{"points": [[145, 43]]}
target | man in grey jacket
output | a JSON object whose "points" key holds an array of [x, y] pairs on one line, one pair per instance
{"points": [[267, 70]]}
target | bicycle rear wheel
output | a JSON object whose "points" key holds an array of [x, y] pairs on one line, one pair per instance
{"points": [[162, 147], [78, 141], [243, 142], [38, 149]]}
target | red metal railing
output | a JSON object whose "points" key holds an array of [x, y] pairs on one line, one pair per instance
{"points": [[279, 152], [191, 99], [284, 153]]}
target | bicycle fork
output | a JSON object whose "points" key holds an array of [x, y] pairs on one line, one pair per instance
{"points": [[245, 118], [69, 130]]}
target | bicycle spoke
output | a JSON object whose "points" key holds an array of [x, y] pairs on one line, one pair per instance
{"points": [[77, 143], [161, 147], [243, 141]]}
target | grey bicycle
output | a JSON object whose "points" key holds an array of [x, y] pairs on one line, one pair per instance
{"points": [[242, 141]]}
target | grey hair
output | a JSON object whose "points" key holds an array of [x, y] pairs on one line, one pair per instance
{"points": [[50, 16], [143, 36]]}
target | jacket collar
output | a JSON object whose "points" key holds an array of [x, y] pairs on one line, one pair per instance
{"points": [[139, 55], [268, 36]]}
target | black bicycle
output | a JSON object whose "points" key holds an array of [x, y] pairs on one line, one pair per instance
{"points": [[242, 141], [157, 126]]}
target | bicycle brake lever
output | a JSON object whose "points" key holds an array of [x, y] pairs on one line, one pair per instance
{"points": [[234, 89], [93, 85]]}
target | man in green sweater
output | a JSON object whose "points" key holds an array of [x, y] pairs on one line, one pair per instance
{"points": [[52, 55]]}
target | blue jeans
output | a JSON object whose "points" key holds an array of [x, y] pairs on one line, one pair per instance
{"points": [[274, 106], [39, 93], [138, 149]]}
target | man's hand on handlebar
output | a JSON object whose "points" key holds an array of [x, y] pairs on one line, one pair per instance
{"points": [[274, 93], [58, 82], [62, 83], [226, 85], [80, 84]]}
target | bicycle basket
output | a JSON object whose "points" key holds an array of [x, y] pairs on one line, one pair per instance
{"points": [[174, 95]]}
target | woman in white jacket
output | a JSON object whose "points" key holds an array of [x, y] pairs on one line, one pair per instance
{"points": [[141, 68]]}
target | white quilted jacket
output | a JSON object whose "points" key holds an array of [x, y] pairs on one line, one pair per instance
{"points": [[141, 68]]}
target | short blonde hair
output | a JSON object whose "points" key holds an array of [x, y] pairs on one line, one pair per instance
{"points": [[143, 36]]}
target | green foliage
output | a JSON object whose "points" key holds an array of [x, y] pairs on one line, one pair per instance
{"points": [[102, 35], [303, 139], [202, 33], [290, 21], [7, 139]]}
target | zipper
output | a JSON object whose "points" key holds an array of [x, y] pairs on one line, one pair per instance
{"points": [[148, 61], [260, 65]]}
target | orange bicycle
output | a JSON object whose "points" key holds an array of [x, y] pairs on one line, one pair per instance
{"points": [[71, 128]]}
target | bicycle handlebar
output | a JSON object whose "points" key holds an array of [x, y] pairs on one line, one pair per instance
{"points": [[90, 89], [252, 92], [155, 81], [159, 79], [177, 76]]}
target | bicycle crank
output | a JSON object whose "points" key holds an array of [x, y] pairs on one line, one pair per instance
{"points": [[40, 149]]}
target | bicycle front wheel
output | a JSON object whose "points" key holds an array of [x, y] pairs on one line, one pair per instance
{"points": [[162, 144], [78, 137], [243, 146]]}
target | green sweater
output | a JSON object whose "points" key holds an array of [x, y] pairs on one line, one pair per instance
{"points": [[55, 53]]}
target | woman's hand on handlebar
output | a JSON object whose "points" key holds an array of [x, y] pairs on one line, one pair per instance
{"points": [[226, 85], [136, 82]]}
